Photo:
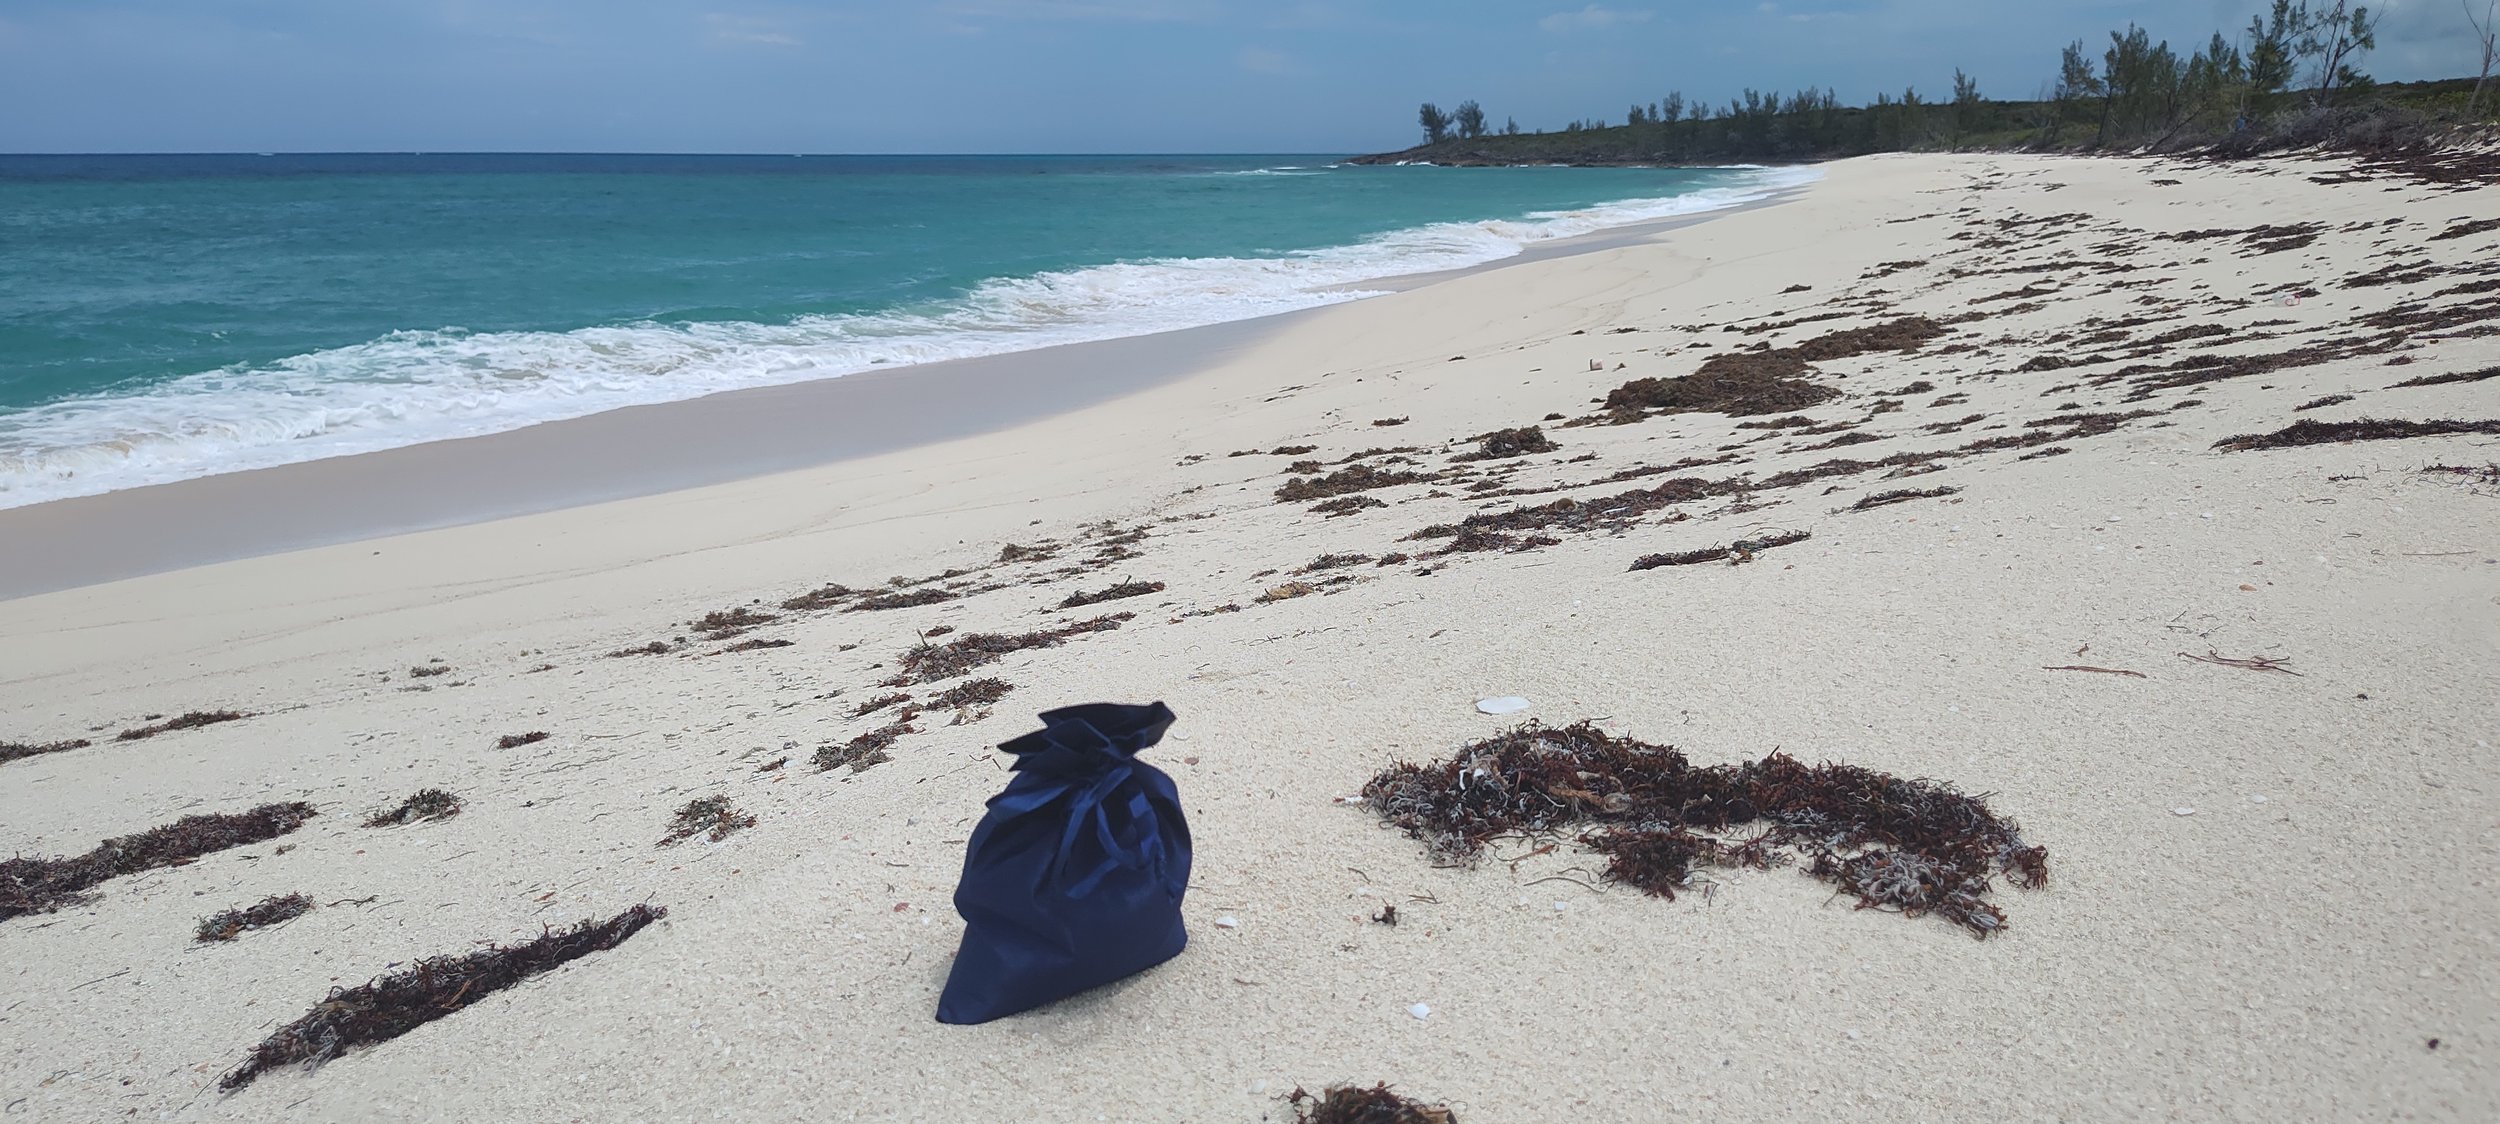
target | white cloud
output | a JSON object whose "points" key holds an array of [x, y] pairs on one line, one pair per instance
{"points": [[1592, 18]]}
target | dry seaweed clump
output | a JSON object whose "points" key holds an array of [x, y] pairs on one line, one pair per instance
{"points": [[1910, 846], [273, 910], [867, 749], [714, 816], [929, 663], [425, 804], [1345, 481], [2484, 474], [43, 885], [191, 721], [900, 599], [1766, 382], [1734, 554], [1346, 505], [1350, 1104], [819, 599], [434, 987], [1115, 593], [516, 741], [974, 692], [1502, 444], [13, 751], [2442, 380], [1738, 385], [1900, 495], [2302, 433], [881, 702], [724, 624]]}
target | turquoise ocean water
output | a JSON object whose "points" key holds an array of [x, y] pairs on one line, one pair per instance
{"points": [[166, 317]]}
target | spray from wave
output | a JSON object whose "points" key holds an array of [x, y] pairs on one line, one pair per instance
{"points": [[411, 387]]}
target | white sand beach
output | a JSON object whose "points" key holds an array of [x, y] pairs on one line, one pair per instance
{"points": [[2270, 891]]}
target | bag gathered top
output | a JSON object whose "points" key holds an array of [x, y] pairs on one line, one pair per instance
{"points": [[1075, 876]]}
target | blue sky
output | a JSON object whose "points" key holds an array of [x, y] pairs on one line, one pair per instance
{"points": [[997, 75]]}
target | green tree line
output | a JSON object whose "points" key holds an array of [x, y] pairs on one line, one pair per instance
{"points": [[2296, 65]]}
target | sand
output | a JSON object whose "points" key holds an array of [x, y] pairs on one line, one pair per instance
{"points": [[2198, 953]]}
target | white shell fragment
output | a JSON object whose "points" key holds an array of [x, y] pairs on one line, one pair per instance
{"points": [[2183, 811], [1420, 1011], [1228, 921], [1507, 704]]}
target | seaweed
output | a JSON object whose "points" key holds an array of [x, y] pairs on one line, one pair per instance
{"points": [[2466, 229], [1348, 1104], [758, 644], [2453, 377], [1902, 495], [15, 751], [2322, 402], [191, 721], [423, 805], [867, 749], [1286, 592], [516, 741], [881, 702], [1118, 592], [1602, 513], [713, 816], [2303, 433], [393, 1005], [1502, 444], [1478, 541], [1386, 422], [43, 885], [426, 672], [825, 597], [273, 910], [1940, 428], [724, 624], [1738, 385], [900, 599], [1911, 846], [929, 663], [973, 692], [654, 648], [2485, 474], [1735, 554], [1333, 562], [1346, 481], [1908, 333], [1346, 505]]}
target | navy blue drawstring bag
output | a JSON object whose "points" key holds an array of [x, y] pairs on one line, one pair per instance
{"points": [[1074, 878]]}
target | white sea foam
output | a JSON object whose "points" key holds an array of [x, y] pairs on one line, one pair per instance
{"points": [[416, 386]]}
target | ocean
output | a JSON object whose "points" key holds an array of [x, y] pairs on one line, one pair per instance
{"points": [[169, 317]]}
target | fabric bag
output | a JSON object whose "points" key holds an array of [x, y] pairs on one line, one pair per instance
{"points": [[1074, 878]]}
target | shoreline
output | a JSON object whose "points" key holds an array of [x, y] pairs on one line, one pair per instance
{"points": [[644, 450]]}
